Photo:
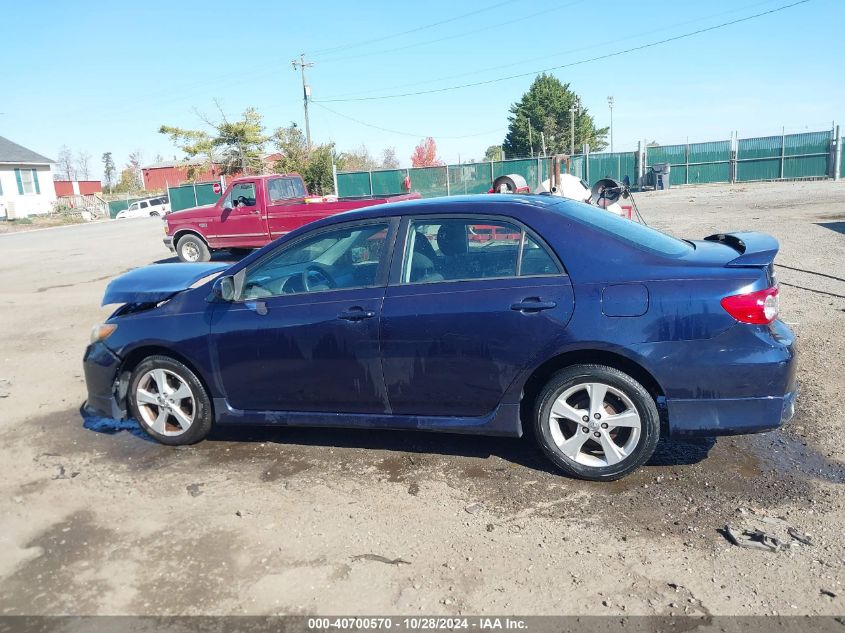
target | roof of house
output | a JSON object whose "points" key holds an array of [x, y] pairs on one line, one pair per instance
{"points": [[14, 153], [167, 164]]}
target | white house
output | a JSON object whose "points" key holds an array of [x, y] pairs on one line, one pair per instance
{"points": [[26, 181]]}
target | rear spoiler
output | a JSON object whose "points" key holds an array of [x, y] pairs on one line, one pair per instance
{"points": [[755, 249]]}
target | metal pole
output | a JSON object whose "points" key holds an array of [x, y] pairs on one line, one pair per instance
{"points": [[686, 163], [837, 157], [448, 191], [576, 106], [371, 181], [782, 149], [491, 173], [543, 139], [587, 162], [196, 202], [334, 180], [530, 138], [610, 102], [539, 173]]}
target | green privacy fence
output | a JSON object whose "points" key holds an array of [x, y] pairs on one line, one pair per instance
{"points": [[116, 206], [782, 156], [192, 195]]}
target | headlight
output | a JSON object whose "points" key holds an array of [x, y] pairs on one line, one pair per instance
{"points": [[102, 332]]}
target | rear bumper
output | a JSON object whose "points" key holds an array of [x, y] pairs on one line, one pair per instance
{"points": [[756, 392], [168, 242], [101, 367]]}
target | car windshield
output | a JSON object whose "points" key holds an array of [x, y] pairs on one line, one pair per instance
{"points": [[639, 235]]}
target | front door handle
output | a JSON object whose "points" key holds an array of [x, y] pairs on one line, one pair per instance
{"points": [[533, 304], [356, 314]]}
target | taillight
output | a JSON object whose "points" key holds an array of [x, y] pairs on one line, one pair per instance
{"points": [[759, 307]]}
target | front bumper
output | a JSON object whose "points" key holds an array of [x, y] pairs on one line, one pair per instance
{"points": [[168, 242], [106, 394]]}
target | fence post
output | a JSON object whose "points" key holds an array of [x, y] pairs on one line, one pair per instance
{"points": [[448, 192], [492, 178], [370, 173], [734, 157], [539, 173], [782, 150], [334, 180], [686, 163], [837, 156], [196, 201], [586, 152]]}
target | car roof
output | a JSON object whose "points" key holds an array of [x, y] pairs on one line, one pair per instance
{"points": [[495, 204]]}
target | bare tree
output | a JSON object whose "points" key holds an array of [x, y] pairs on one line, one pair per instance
{"points": [[136, 159], [83, 165], [389, 159], [66, 169]]}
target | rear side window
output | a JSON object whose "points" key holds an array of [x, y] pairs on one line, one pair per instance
{"points": [[285, 189], [467, 249], [639, 235]]}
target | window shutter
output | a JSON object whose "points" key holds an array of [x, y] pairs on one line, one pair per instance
{"points": [[35, 180], [18, 178]]}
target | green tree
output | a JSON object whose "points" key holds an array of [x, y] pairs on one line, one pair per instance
{"points": [[127, 183], [314, 166], [547, 105], [108, 171], [494, 152], [238, 146]]}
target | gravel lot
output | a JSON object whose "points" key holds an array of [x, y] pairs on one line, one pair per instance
{"points": [[95, 519]]}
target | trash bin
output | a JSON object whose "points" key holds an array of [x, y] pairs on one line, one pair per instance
{"points": [[661, 175]]}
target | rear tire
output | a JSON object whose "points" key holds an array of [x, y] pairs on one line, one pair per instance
{"points": [[169, 401], [191, 249], [596, 423], [154, 214]]}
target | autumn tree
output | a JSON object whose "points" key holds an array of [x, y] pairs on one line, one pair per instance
{"points": [[134, 165], [546, 105], [425, 154], [108, 171]]}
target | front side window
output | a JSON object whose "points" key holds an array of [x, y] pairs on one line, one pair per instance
{"points": [[340, 258], [285, 189], [144, 204], [241, 195]]}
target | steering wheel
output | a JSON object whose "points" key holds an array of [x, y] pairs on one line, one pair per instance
{"points": [[321, 273]]}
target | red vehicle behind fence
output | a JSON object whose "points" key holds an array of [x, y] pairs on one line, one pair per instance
{"points": [[252, 212]]}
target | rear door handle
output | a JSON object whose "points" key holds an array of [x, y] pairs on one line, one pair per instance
{"points": [[533, 304], [356, 314]]}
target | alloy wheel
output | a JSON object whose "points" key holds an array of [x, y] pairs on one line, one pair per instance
{"points": [[165, 402], [594, 424]]}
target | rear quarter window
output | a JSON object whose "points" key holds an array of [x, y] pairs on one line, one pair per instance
{"points": [[638, 235]]}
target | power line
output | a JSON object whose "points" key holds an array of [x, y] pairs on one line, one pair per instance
{"points": [[408, 32], [489, 27], [384, 129], [576, 63], [554, 55]]}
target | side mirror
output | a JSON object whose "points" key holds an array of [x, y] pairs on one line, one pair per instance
{"points": [[224, 288]]}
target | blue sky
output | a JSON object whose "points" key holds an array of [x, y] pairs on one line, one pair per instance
{"points": [[103, 76]]}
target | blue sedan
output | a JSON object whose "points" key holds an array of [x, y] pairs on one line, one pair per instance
{"points": [[480, 314]]}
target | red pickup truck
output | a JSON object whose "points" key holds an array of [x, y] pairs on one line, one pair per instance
{"points": [[253, 211]]}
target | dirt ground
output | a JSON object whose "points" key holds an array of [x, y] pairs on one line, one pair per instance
{"points": [[95, 519]]}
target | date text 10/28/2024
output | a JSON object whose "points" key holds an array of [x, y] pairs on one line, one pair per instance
{"points": [[420, 623]]}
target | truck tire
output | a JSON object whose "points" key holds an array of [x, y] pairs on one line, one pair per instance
{"points": [[191, 248]]}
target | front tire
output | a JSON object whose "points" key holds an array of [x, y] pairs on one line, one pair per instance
{"points": [[169, 401], [596, 423], [190, 249]]}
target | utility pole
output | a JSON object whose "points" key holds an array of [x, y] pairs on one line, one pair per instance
{"points": [[576, 107], [610, 105], [306, 93]]}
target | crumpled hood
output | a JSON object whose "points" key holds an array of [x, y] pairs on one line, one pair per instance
{"points": [[158, 282]]}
